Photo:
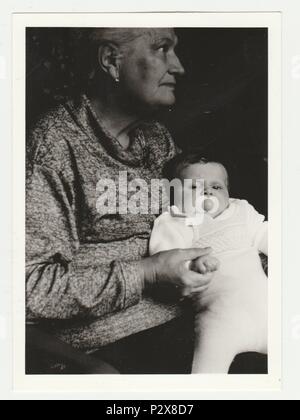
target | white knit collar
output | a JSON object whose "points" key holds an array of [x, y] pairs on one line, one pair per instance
{"points": [[202, 217]]}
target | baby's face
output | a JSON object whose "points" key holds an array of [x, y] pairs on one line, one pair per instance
{"points": [[215, 180]]}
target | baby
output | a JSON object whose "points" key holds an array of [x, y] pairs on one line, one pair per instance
{"points": [[232, 313]]}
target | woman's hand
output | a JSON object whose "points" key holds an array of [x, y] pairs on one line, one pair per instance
{"points": [[170, 267]]}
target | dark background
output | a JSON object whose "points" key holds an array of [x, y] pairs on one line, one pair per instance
{"points": [[222, 101]]}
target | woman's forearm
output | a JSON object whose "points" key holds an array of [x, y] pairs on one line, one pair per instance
{"points": [[62, 291]]}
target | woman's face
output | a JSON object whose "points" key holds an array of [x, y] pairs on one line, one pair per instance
{"points": [[149, 68]]}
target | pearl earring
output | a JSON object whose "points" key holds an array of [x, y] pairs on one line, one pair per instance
{"points": [[117, 80]]}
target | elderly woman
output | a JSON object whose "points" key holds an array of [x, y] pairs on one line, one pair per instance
{"points": [[88, 272]]}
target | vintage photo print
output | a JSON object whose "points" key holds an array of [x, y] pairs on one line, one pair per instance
{"points": [[147, 168]]}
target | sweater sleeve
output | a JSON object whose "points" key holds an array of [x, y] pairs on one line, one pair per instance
{"points": [[57, 285]]}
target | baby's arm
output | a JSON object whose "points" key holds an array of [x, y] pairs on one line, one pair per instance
{"points": [[258, 229], [167, 235], [261, 240]]}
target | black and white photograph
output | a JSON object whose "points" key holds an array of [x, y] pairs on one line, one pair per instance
{"points": [[128, 289], [149, 237], [149, 203]]}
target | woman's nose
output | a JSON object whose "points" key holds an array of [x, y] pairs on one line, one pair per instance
{"points": [[176, 67]]}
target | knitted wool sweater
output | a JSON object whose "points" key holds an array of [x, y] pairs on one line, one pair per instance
{"points": [[82, 275]]}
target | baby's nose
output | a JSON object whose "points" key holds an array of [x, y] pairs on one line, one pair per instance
{"points": [[208, 192]]}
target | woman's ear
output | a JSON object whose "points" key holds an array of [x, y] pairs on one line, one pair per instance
{"points": [[109, 58]]}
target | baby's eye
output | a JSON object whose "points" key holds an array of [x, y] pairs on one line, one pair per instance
{"points": [[198, 188], [217, 187]]}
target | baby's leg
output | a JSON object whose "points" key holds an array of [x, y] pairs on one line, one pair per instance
{"points": [[217, 341], [214, 352]]}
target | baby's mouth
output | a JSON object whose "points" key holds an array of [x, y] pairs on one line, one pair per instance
{"points": [[208, 205]]}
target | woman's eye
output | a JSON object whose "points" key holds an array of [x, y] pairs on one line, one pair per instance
{"points": [[164, 48]]}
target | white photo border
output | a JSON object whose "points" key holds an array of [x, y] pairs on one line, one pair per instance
{"points": [[147, 383]]}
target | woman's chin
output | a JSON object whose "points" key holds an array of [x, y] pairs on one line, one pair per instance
{"points": [[165, 102], [169, 100], [157, 103]]}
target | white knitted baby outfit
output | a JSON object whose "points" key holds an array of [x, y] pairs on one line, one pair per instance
{"points": [[232, 316]]}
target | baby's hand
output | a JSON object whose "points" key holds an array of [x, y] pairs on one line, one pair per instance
{"points": [[204, 265]]}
